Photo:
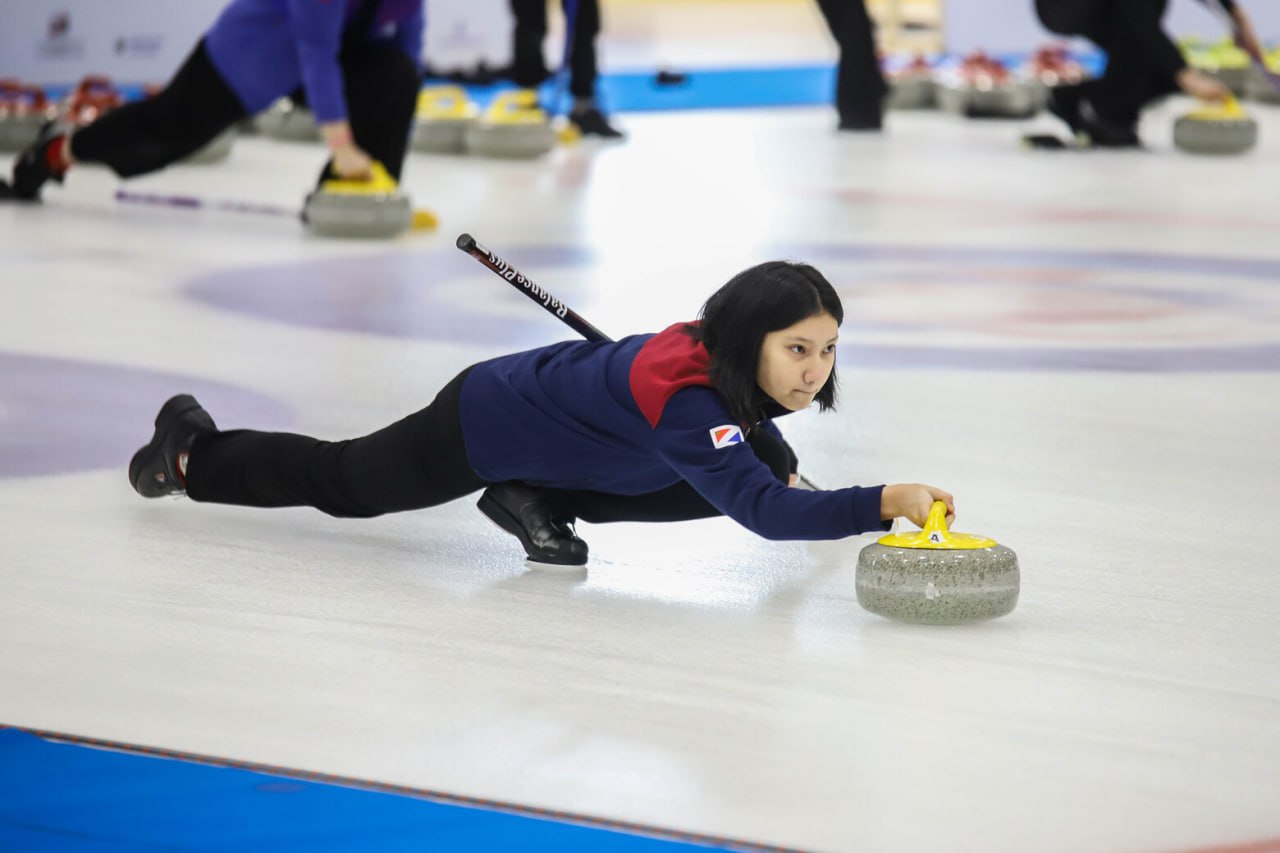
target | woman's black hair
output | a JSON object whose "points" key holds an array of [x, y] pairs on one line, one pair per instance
{"points": [[734, 321]]}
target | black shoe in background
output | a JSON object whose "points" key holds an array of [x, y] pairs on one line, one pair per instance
{"points": [[527, 514], [591, 122], [31, 169], [1104, 132], [861, 123], [153, 471], [861, 117], [1064, 103]]}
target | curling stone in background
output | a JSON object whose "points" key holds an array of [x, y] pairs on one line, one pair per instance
{"points": [[1228, 63], [93, 97], [980, 86], [1216, 129], [1256, 85], [1052, 65], [1049, 67], [23, 111], [936, 577], [513, 126], [911, 84], [443, 116], [216, 150], [373, 208], [286, 120]]}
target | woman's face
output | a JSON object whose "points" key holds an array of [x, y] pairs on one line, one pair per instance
{"points": [[796, 361]]}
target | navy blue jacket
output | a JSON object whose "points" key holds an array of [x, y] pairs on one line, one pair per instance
{"points": [[633, 416]]}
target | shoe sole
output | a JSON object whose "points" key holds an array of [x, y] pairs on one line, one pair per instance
{"points": [[173, 409], [498, 514]]}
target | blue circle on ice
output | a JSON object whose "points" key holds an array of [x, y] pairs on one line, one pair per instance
{"points": [[59, 416]]}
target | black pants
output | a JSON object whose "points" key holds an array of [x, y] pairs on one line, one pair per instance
{"points": [[145, 136], [529, 66], [860, 87], [1142, 61], [381, 85], [417, 462]]}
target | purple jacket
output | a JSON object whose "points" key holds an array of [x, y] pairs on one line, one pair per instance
{"points": [[265, 48]]}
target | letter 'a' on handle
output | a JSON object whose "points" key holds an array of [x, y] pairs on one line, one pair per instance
{"points": [[529, 288], [936, 536]]}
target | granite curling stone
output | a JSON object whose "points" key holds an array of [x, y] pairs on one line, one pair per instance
{"points": [[982, 87], [286, 120], [215, 150], [1216, 129], [373, 208], [1258, 85], [23, 111], [911, 85], [935, 577], [444, 113], [513, 127]]}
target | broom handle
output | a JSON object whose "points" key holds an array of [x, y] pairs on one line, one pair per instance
{"points": [[529, 288], [196, 203]]}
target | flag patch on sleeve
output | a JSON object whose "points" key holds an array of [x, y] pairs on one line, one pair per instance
{"points": [[724, 436]]}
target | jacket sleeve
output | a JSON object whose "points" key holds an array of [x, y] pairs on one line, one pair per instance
{"points": [[738, 484], [317, 33]]}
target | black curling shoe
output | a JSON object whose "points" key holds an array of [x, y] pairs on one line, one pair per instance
{"points": [[526, 514], [154, 469], [31, 170], [591, 122]]}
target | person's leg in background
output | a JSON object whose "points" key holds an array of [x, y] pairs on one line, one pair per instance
{"points": [[860, 87], [141, 136], [382, 85], [528, 65], [1139, 56], [1141, 61], [583, 17]]}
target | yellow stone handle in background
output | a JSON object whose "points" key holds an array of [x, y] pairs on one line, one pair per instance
{"points": [[444, 102], [380, 183], [519, 106], [1226, 111], [936, 536]]}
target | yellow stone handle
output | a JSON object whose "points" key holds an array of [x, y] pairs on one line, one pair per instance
{"points": [[935, 526], [379, 183], [1226, 110], [519, 106], [936, 536], [444, 102]]}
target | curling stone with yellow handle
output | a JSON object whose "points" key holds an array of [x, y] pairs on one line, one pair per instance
{"points": [[1216, 129], [936, 577], [513, 126], [373, 208], [443, 116]]}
